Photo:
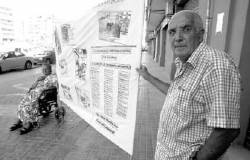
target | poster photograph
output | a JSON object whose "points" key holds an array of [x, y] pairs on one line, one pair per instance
{"points": [[113, 25]]}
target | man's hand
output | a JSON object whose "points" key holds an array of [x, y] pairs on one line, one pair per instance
{"points": [[162, 86], [143, 71]]}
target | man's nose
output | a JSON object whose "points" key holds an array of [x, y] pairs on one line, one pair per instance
{"points": [[178, 35]]}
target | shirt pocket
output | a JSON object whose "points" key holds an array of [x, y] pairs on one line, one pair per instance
{"points": [[198, 103], [182, 107], [190, 104]]}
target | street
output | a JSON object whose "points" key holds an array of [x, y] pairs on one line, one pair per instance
{"points": [[73, 139], [13, 84]]}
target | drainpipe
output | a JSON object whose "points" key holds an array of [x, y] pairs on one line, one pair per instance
{"points": [[208, 22]]}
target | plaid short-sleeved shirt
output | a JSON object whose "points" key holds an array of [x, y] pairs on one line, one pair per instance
{"points": [[204, 94]]}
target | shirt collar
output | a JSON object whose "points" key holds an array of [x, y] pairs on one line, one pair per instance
{"points": [[178, 62], [179, 67], [193, 59]]}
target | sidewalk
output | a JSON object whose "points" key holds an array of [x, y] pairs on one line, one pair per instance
{"points": [[150, 101]]}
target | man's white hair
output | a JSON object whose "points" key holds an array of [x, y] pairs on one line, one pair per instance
{"points": [[195, 17]]}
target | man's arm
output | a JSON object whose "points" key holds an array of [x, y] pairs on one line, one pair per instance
{"points": [[162, 86], [217, 143]]}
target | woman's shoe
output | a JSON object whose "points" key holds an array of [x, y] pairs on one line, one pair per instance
{"points": [[25, 130], [17, 125]]}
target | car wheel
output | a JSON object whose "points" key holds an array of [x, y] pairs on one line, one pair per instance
{"points": [[28, 65], [0, 70]]}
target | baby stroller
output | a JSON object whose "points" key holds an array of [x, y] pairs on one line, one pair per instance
{"points": [[48, 103]]}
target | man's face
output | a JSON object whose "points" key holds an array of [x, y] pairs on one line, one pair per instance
{"points": [[184, 38]]}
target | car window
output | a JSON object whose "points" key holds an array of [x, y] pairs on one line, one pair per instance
{"points": [[10, 55], [46, 53], [18, 54], [2, 54]]}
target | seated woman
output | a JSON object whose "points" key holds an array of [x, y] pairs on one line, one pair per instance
{"points": [[28, 111]]}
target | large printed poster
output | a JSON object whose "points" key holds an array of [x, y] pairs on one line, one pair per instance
{"points": [[96, 60]]}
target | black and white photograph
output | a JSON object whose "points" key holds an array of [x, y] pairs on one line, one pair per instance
{"points": [[124, 80]]}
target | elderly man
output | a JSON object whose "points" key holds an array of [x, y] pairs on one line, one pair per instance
{"points": [[200, 115]]}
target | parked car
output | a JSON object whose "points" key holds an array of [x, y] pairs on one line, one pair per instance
{"points": [[45, 57], [14, 60]]}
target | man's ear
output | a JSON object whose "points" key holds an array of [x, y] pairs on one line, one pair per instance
{"points": [[201, 34]]}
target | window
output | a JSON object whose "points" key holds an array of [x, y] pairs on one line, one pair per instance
{"points": [[19, 54], [11, 55]]}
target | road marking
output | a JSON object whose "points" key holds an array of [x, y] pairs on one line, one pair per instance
{"points": [[20, 86], [14, 94], [8, 110]]}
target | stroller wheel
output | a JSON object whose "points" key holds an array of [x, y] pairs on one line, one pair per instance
{"points": [[45, 110], [36, 124], [59, 113]]}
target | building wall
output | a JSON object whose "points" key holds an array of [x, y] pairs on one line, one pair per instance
{"points": [[150, 46], [169, 58], [234, 23], [153, 42], [39, 30], [7, 33], [157, 48], [191, 5], [162, 47], [239, 44], [234, 39], [218, 39], [237, 28]]}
